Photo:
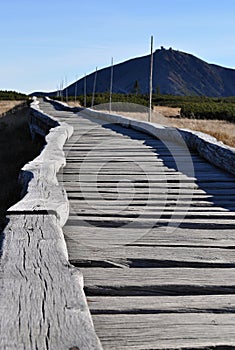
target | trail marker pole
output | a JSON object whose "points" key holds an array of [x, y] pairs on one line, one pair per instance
{"points": [[75, 95], [111, 87], [62, 87], [151, 82], [66, 89], [85, 90], [93, 92]]}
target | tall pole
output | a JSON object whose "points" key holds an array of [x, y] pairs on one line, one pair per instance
{"points": [[111, 87], [93, 92], [75, 95], [62, 87], [151, 81], [66, 89], [85, 90]]}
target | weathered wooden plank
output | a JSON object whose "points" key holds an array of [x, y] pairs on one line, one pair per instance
{"points": [[158, 281], [175, 331], [194, 237], [161, 236], [146, 207], [144, 257], [181, 196], [118, 171], [161, 179], [160, 188], [181, 190], [158, 219], [161, 304], [127, 167], [101, 208]]}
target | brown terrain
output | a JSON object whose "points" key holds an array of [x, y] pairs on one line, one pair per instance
{"points": [[16, 149], [220, 129], [5, 106]]}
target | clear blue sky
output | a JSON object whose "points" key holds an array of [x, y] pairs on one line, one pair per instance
{"points": [[42, 42]]}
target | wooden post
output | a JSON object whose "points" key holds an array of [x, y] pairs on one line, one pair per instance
{"points": [[93, 92], [75, 95], [111, 87], [66, 89], [151, 81], [85, 90], [62, 87]]}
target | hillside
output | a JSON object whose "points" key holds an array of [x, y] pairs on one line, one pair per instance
{"points": [[175, 72]]}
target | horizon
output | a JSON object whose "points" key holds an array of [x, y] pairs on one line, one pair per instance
{"points": [[44, 44]]}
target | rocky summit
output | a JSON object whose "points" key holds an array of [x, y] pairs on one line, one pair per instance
{"points": [[174, 72]]}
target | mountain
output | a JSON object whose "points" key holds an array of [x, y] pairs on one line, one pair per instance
{"points": [[174, 72]]}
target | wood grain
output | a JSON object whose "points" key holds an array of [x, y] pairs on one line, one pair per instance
{"points": [[42, 301]]}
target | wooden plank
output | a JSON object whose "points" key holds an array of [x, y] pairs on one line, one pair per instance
{"points": [[165, 187], [84, 177], [102, 209], [181, 237], [179, 331], [147, 207], [103, 305], [144, 257], [97, 234], [116, 171], [158, 281], [165, 219]]}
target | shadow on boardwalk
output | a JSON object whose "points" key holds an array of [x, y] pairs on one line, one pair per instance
{"points": [[218, 184]]}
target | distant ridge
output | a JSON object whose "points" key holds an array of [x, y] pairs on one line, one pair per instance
{"points": [[174, 72]]}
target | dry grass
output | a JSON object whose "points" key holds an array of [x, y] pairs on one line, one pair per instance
{"points": [[167, 111], [7, 105], [74, 104], [221, 130]]}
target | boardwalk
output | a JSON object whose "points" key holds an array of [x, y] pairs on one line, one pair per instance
{"points": [[156, 245]]}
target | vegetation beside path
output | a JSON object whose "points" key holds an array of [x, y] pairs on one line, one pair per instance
{"points": [[192, 107]]}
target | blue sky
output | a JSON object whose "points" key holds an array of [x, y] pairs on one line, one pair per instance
{"points": [[44, 42]]}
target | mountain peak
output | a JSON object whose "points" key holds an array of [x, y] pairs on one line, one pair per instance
{"points": [[174, 72]]}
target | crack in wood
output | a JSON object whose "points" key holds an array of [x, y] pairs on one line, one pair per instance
{"points": [[149, 263], [158, 290]]}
